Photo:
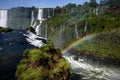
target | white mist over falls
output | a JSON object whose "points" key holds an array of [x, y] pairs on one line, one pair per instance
{"points": [[3, 18]]}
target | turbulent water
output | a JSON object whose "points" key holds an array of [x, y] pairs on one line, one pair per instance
{"points": [[88, 70]]}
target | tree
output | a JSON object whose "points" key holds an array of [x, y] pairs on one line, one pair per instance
{"points": [[103, 2], [86, 5], [79, 5], [93, 3], [70, 5], [114, 3]]}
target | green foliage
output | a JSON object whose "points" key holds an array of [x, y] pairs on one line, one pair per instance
{"points": [[5, 29], [61, 25], [32, 74], [114, 3], [43, 63], [93, 3], [105, 45], [70, 5], [31, 29], [61, 67], [34, 54], [56, 20]]}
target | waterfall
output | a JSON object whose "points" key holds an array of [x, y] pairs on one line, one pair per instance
{"points": [[46, 31], [53, 12], [85, 28], [34, 24], [61, 28], [40, 14], [38, 29], [3, 18], [40, 18], [96, 11], [32, 19], [76, 32], [48, 13]]}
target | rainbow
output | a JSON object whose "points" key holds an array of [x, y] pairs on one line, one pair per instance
{"points": [[79, 41]]}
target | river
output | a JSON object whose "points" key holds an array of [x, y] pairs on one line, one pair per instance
{"points": [[12, 46], [89, 70]]}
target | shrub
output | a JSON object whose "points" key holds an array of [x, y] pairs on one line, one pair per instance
{"points": [[43, 63], [5, 29], [31, 29]]}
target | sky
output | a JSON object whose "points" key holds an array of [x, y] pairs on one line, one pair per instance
{"points": [[7, 4]]}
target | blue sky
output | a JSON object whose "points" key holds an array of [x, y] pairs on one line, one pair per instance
{"points": [[6, 4]]}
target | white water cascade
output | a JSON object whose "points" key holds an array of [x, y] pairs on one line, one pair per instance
{"points": [[76, 32], [46, 31], [92, 71], [95, 11], [40, 18], [32, 19], [53, 12], [61, 29], [3, 18], [34, 23], [85, 28]]}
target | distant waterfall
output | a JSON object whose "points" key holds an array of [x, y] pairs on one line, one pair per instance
{"points": [[85, 28], [95, 11], [34, 23], [61, 28], [40, 18], [38, 29], [3, 18], [32, 19], [76, 32], [53, 12], [40, 14], [48, 13], [46, 31]]}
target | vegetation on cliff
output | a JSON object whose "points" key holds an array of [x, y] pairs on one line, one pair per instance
{"points": [[104, 46], [72, 22], [71, 19], [5, 29], [31, 29], [44, 63]]}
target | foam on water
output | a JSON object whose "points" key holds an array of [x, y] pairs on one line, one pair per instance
{"points": [[32, 39]]}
